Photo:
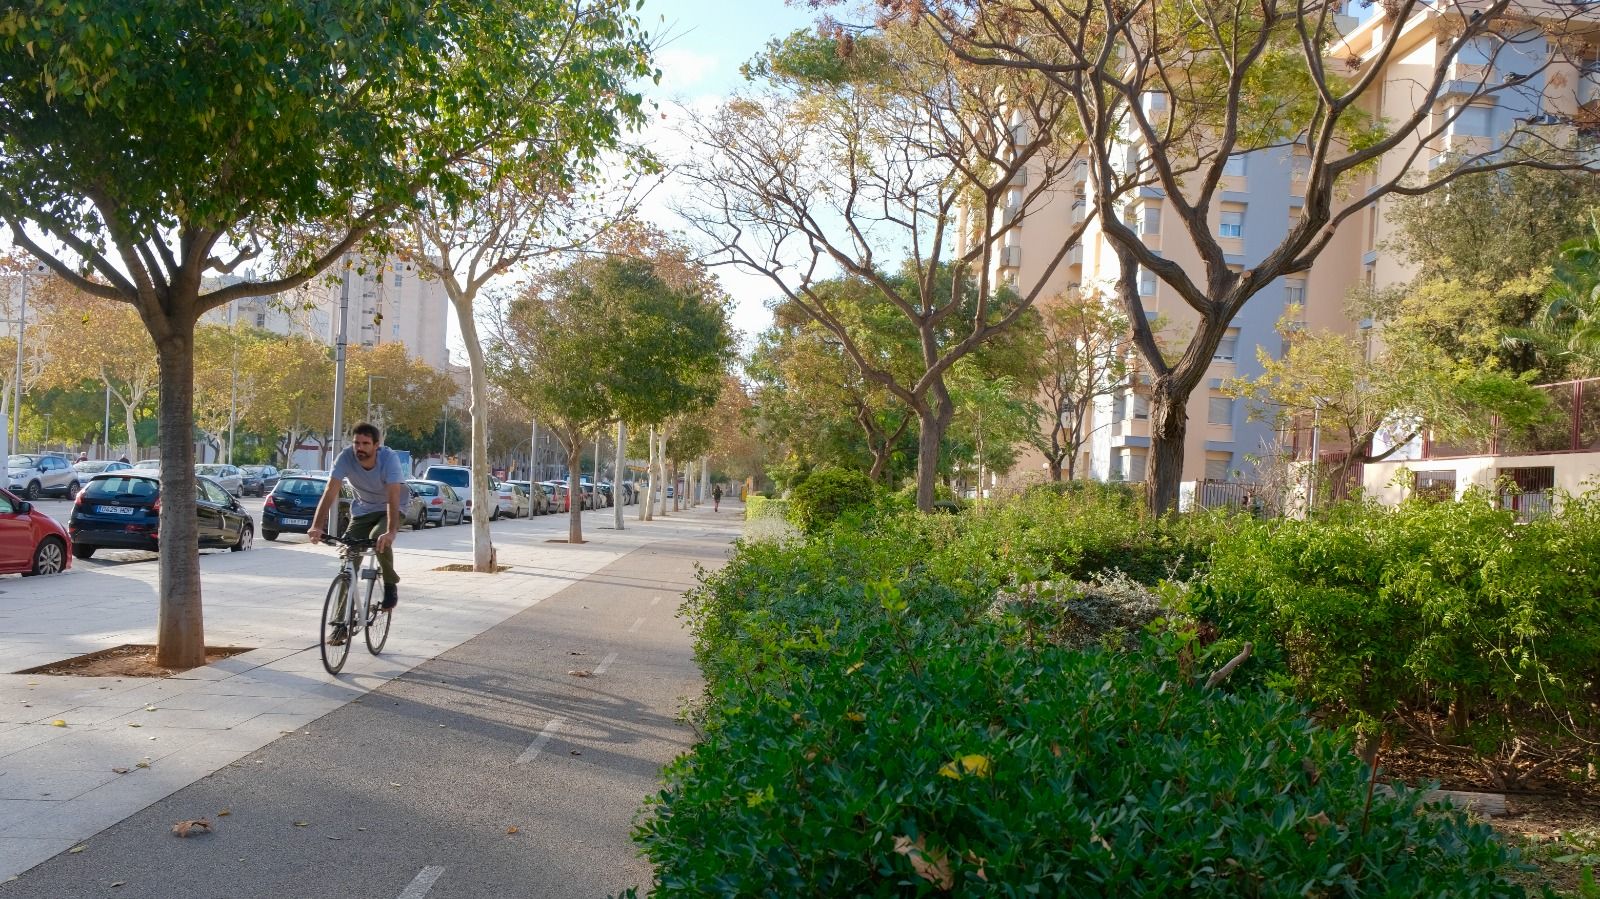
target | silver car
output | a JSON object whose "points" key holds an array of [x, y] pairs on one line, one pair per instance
{"points": [[31, 475], [89, 469], [229, 477]]}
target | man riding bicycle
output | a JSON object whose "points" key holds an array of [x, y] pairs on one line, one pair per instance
{"points": [[379, 481]]}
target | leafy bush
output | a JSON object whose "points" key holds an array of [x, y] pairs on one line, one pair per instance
{"points": [[826, 494], [1113, 609], [876, 728], [1444, 605], [758, 507]]}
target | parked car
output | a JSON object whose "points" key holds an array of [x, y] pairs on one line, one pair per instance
{"points": [[31, 475], [538, 500], [87, 470], [260, 479], [31, 542], [229, 476], [457, 476], [442, 505], [148, 465], [508, 502], [415, 511], [122, 510], [560, 496], [291, 504]]}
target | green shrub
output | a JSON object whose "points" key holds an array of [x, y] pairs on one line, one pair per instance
{"points": [[878, 724], [1428, 605], [758, 507], [826, 494]]}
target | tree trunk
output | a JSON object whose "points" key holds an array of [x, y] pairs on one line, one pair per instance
{"points": [[131, 422], [880, 460], [1169, 423], [647, 503], [482, 507], [180, 627], [574, 508], [932, 421], [705, 478], [661, 462], [618, 497]]}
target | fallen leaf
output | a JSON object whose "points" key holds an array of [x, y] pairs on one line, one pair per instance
{"points": [[302, 824], [974, 764], [224, 813], [185, 828], [930, 866], [141, 764], [393, 784], [574, 652], [58, 723], [149, 708], [581, 672], [77, 849], [854, 668], [855, 716], [512, 829], [117, 883], [119, 770], [134, 724], [575, 752]]}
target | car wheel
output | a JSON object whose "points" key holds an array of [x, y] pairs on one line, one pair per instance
{"points": [[80, 551], [50, 557], [72, 490], [32, 493], [246, 539], [270, 535]]}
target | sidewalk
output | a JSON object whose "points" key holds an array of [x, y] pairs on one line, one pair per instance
{"points": [[59, 786]]}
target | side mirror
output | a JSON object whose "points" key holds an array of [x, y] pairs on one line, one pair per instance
{"points": [[24, 507]]}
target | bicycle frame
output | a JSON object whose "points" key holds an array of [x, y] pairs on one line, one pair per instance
{"points": [[358, 563]]}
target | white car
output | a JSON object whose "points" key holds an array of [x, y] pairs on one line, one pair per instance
{"points": [[30, 475], [510, 503], [87, 470], [148, 465], [229, 477], [458, 477]]}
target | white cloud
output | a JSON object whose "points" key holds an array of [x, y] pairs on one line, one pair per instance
{"points": [[682, 69]]}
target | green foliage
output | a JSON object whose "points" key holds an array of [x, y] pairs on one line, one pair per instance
{"points": [[827, 494], [876, 728], [758, 507], [1369, 610]]}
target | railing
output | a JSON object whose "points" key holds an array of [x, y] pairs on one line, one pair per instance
{"points": [[1572, 427]]}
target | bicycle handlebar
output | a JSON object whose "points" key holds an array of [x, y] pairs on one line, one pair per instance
{"points": [[349, 544]]}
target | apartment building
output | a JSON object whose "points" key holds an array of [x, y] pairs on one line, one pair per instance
{"points": [[1260, 199], [389, 302]]}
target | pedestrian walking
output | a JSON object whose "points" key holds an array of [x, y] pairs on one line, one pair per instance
{"points": [[716, 497]]}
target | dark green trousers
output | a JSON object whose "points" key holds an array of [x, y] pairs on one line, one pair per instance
{"points": [[363, 527]]}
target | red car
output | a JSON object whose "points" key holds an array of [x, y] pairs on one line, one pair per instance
{"points": [[31, 542]]}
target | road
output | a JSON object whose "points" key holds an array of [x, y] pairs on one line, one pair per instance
{"points": [[509, 765]]}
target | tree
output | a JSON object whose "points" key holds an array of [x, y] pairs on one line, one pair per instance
{"points": [[411, 392], [108, 344], [666, 357], [882, 155], [994, 417], [1566, 329], [146, 144], [1398, 390], [1085, 355], [1166, 94], [297, 402]]}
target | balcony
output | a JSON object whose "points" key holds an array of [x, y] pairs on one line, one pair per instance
{"points": [[1010, 257], [1573, 426]]}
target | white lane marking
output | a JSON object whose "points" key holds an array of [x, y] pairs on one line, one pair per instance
{"points": [[605, 663], [422, 883], [636, 623], [654, 600], [532, 752]]}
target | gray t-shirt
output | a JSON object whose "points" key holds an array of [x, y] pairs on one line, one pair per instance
{"points": [[371, 486]]}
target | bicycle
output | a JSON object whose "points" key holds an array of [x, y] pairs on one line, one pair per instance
{"points": [[358, 561]]}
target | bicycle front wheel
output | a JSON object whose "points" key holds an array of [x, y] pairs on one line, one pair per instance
{"points": [[377, 620], [335, 624]]}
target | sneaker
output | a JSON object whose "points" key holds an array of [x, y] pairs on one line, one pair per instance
{"points": [[339, 636], [391, 596]]}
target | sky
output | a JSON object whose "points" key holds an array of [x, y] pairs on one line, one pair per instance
{"points": [[704, 44]]}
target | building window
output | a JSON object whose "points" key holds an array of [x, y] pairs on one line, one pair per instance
{"points": [[261, 319], [1232, 223], [1217, 465], [1147, 282], [1220, 410], [1474, 121], [1119, 405], [1228, 347], [1135, 466], [1116, 466], [399, 280], [1300, 167], [1294, 291], [1141, 406], [1151, 220], [396, 331], [1234, 167]]}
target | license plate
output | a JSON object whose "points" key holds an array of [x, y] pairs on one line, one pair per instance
{"points": [[115, 510], [297, 521]]}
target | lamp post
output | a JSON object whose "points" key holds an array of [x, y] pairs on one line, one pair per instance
{"points": [[233, 383], [105, 430], [21, 321], [46, 441]]}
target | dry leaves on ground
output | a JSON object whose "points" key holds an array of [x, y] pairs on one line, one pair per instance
{"points": [[930, 866], [581, 672], [186, 828]]}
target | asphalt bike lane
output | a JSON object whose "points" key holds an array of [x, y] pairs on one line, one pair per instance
{"points": [[512, 765]]}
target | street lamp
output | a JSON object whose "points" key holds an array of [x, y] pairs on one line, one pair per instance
{"points": [[370, 379], [16, 388]]}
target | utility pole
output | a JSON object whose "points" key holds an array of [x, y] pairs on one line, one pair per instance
{"points": [[233, 386], [617, 495], [338, 379], [533, 454], [444, 441]]}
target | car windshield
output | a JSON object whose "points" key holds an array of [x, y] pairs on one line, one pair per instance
{"points": [[22, 461], [422, 489], [302, 487], [91, 466], [455, 477], [122, 487]]}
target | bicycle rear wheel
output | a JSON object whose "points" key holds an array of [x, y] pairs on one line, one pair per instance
{"points": [[336, 616], [376, 619]]}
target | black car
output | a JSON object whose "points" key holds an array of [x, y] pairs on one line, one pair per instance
{"points": [[291, 504], [259, 480], [122, 510]]}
